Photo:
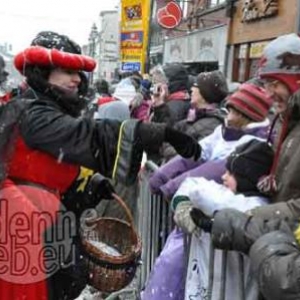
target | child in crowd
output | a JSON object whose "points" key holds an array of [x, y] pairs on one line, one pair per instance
{"points": [[246, 120], [244, 168]]}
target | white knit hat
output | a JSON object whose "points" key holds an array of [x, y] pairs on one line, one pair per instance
{"points": [[281, 56], [125, 91]]}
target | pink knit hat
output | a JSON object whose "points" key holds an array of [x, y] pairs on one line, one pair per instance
{"points": [[251, 101]]}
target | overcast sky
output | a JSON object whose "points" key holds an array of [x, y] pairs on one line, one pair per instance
{"points": [[21, 20]]}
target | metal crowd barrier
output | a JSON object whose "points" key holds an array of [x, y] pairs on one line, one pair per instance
{"points": [[223, 269], [154, 223]]}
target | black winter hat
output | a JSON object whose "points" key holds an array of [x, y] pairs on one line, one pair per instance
{"points": [[212, 85], [102, 86], [53, 40], [248, 163], [177, 75]]}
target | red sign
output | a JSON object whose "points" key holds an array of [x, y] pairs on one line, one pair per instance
{"points": [[170, 15]]}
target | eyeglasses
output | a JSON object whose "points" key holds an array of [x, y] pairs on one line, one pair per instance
{"points": [[269, 83]]}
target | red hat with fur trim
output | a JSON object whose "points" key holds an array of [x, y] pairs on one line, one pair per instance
{"points": [[50, 49]]}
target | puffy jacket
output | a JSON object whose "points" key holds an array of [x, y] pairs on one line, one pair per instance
{"points": [[173, 110], [206, 120], [271, 246], [287, 198]]}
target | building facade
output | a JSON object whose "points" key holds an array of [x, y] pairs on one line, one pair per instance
{"points": [[14, 77], [253, 26], [199, 41], [107, 46]]}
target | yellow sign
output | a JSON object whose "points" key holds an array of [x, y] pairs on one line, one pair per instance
{"points": [[131, 55], [134, 34], [256, 49]]}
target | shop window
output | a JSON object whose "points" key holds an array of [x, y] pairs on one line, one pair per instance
{"points": [[246, 60], [240, 63], [242, 70], [254, 65]]}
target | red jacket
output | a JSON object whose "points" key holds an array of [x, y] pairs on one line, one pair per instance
{"points": [[35, 182]]}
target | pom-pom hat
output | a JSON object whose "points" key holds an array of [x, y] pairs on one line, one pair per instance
{"points": [[251, 101]]}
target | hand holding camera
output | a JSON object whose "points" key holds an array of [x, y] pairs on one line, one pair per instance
{"points": [[159, 94]]}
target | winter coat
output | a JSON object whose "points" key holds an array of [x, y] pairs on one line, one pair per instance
{"points": [[48, 150], [114, 110], [271, 246], [173, 110], [161, 114], [204, 123], [287, 198], [276, 264], [4, 96], [166, 280], [141, 112], [215, 147], [210, 196]]}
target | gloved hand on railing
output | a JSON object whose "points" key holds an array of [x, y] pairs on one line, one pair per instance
{"points": [[201, 220], [99, 188], [182, 215]]}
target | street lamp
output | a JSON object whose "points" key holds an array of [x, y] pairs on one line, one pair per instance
{"points": [[92, 45]]}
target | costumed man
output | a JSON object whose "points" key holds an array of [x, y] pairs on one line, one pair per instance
{"points": [[43, 144]]}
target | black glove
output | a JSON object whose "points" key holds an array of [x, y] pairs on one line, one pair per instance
{"points": [[152, 135], [185, 145], [201, 220], [100, 188]]}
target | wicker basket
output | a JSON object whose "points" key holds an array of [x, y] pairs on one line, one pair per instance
{"points": [[109, 273]]}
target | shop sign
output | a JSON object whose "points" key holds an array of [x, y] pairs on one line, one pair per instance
{"points": [[134, 34], [256, 49], [169, 16], [131, 66], [256, 10]]}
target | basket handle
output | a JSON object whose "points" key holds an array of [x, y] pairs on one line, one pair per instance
{"points": [[125, 207]]}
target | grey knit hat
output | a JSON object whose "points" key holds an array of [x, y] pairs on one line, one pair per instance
{"points": [[212, 85]]}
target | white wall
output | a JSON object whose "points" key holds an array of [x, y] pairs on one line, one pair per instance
{"points": [[109, 44]]}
